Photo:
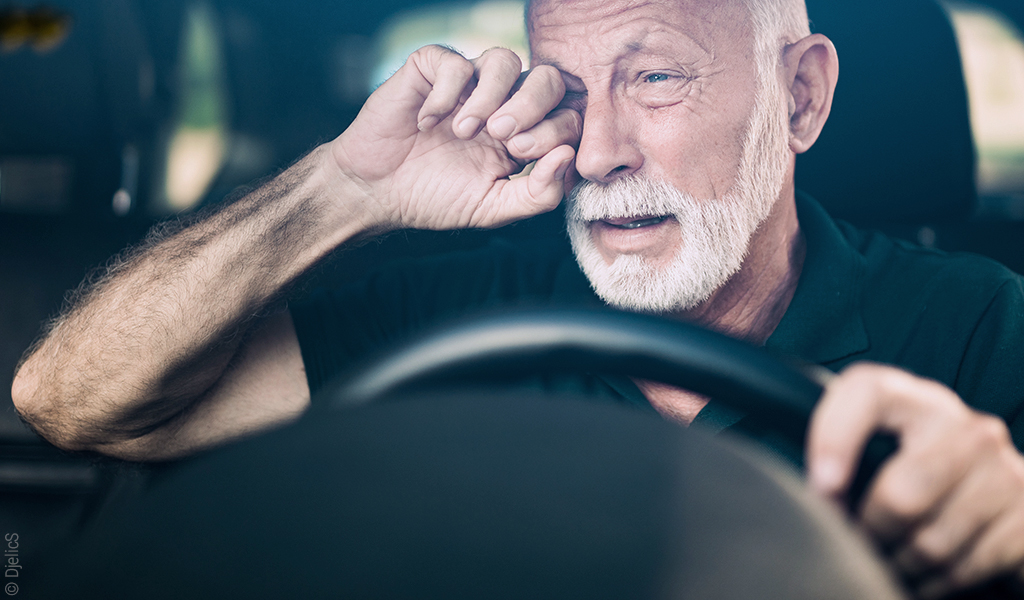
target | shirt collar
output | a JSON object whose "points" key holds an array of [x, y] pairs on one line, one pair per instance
{"points": [[823, 322]]}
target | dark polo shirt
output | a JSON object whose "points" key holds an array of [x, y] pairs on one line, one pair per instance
{"points": [[956, 318]]}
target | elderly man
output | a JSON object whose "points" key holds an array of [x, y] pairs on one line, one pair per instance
{"points": [[675, 123]]}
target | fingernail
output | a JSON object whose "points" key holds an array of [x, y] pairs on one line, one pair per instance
{"points": [[523, 142], [826, 476], [562, 169], [502, 127], [469, 126], [427, 122]]}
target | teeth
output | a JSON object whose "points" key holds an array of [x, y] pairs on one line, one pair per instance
{"points": [[642, 223]]}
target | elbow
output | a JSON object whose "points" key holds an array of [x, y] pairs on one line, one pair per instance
{"points": [[25, 393], [32, 402]]}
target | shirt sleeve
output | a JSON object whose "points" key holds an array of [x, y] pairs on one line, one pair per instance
{"points": [[342, 327], [991, 375]]}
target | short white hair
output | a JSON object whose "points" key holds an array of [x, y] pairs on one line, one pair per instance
{"points": [[780, 20], [775, 22]]}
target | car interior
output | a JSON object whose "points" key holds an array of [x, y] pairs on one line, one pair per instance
{"points": [[117, 114]]}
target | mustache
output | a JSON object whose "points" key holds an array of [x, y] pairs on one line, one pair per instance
{"points": [[630, 196]]}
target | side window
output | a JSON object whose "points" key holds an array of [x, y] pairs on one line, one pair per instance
{"points": [[469, 28], [198, 138], [992, 52]]}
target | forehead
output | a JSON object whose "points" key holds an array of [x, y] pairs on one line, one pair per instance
{"points": [[555, 26]]}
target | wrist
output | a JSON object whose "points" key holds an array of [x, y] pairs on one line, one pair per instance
{"points": [[356, 200]]}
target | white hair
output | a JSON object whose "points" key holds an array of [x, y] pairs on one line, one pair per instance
{"points": [[775, 22], [779, 20]]}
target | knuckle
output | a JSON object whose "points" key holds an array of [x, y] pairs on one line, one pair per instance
{"points": [[967, 573], [576, 123], [989, 433], [900, 504], [1015, 472], [442, 59], [432, 52], [861, 369], [888, 382], [869, 381], [546, 71], [504, 59], [425, 52], [462, 67], [569, 120], [879, 379], [933, 548], [995, 429], [445, 50], [550, 77]]}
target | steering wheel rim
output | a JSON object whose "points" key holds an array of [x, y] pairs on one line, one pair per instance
{"points": [[778, 393], [781, 394]]}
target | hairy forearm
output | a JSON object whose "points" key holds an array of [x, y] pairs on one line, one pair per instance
{"points": [[156, 332]]}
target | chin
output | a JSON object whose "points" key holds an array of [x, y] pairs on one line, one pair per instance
{"points": [[633, 282]]}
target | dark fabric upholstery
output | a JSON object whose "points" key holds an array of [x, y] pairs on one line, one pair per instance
{"points": [[883, 157]]}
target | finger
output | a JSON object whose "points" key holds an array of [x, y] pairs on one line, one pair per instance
{"points": [[939, 456], [451, 79], [998, 550], [544, 185], [984, 491], [536, 193], [1000, 547], [541, 91], [497, 71], [561, 128], [865, 398], [914, 484], [939, 543], [840, 426]]}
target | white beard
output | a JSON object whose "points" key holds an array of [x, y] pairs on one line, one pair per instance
{"points": [[715, 233]]}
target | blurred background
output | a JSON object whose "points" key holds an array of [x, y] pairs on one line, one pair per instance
{"points": [[117, 113]]}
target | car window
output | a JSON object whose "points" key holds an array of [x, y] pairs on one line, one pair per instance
{"points": [[992, 52], [469, 28]]}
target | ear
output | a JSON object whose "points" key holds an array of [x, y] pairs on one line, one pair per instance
{"points": [[811, 69]]}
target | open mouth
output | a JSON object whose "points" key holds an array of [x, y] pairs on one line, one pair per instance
{"points": [[635, 223]]}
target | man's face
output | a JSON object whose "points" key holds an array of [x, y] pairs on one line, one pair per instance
{"points": [[676, 131]]}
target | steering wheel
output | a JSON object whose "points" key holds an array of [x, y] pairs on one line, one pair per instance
{"points": [[471, 495], [780, 394]]}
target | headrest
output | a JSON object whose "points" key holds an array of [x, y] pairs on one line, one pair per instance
{"points": [[897, 147]]}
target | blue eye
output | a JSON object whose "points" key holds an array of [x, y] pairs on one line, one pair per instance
{"points": [[656, 77]]}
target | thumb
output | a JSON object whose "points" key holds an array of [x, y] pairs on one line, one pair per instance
{"points": [[538, 192]]}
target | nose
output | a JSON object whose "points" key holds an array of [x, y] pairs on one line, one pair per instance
{"points": [[607, 148]]}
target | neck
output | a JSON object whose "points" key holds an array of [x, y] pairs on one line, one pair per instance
{"points": [[751, 304]]}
